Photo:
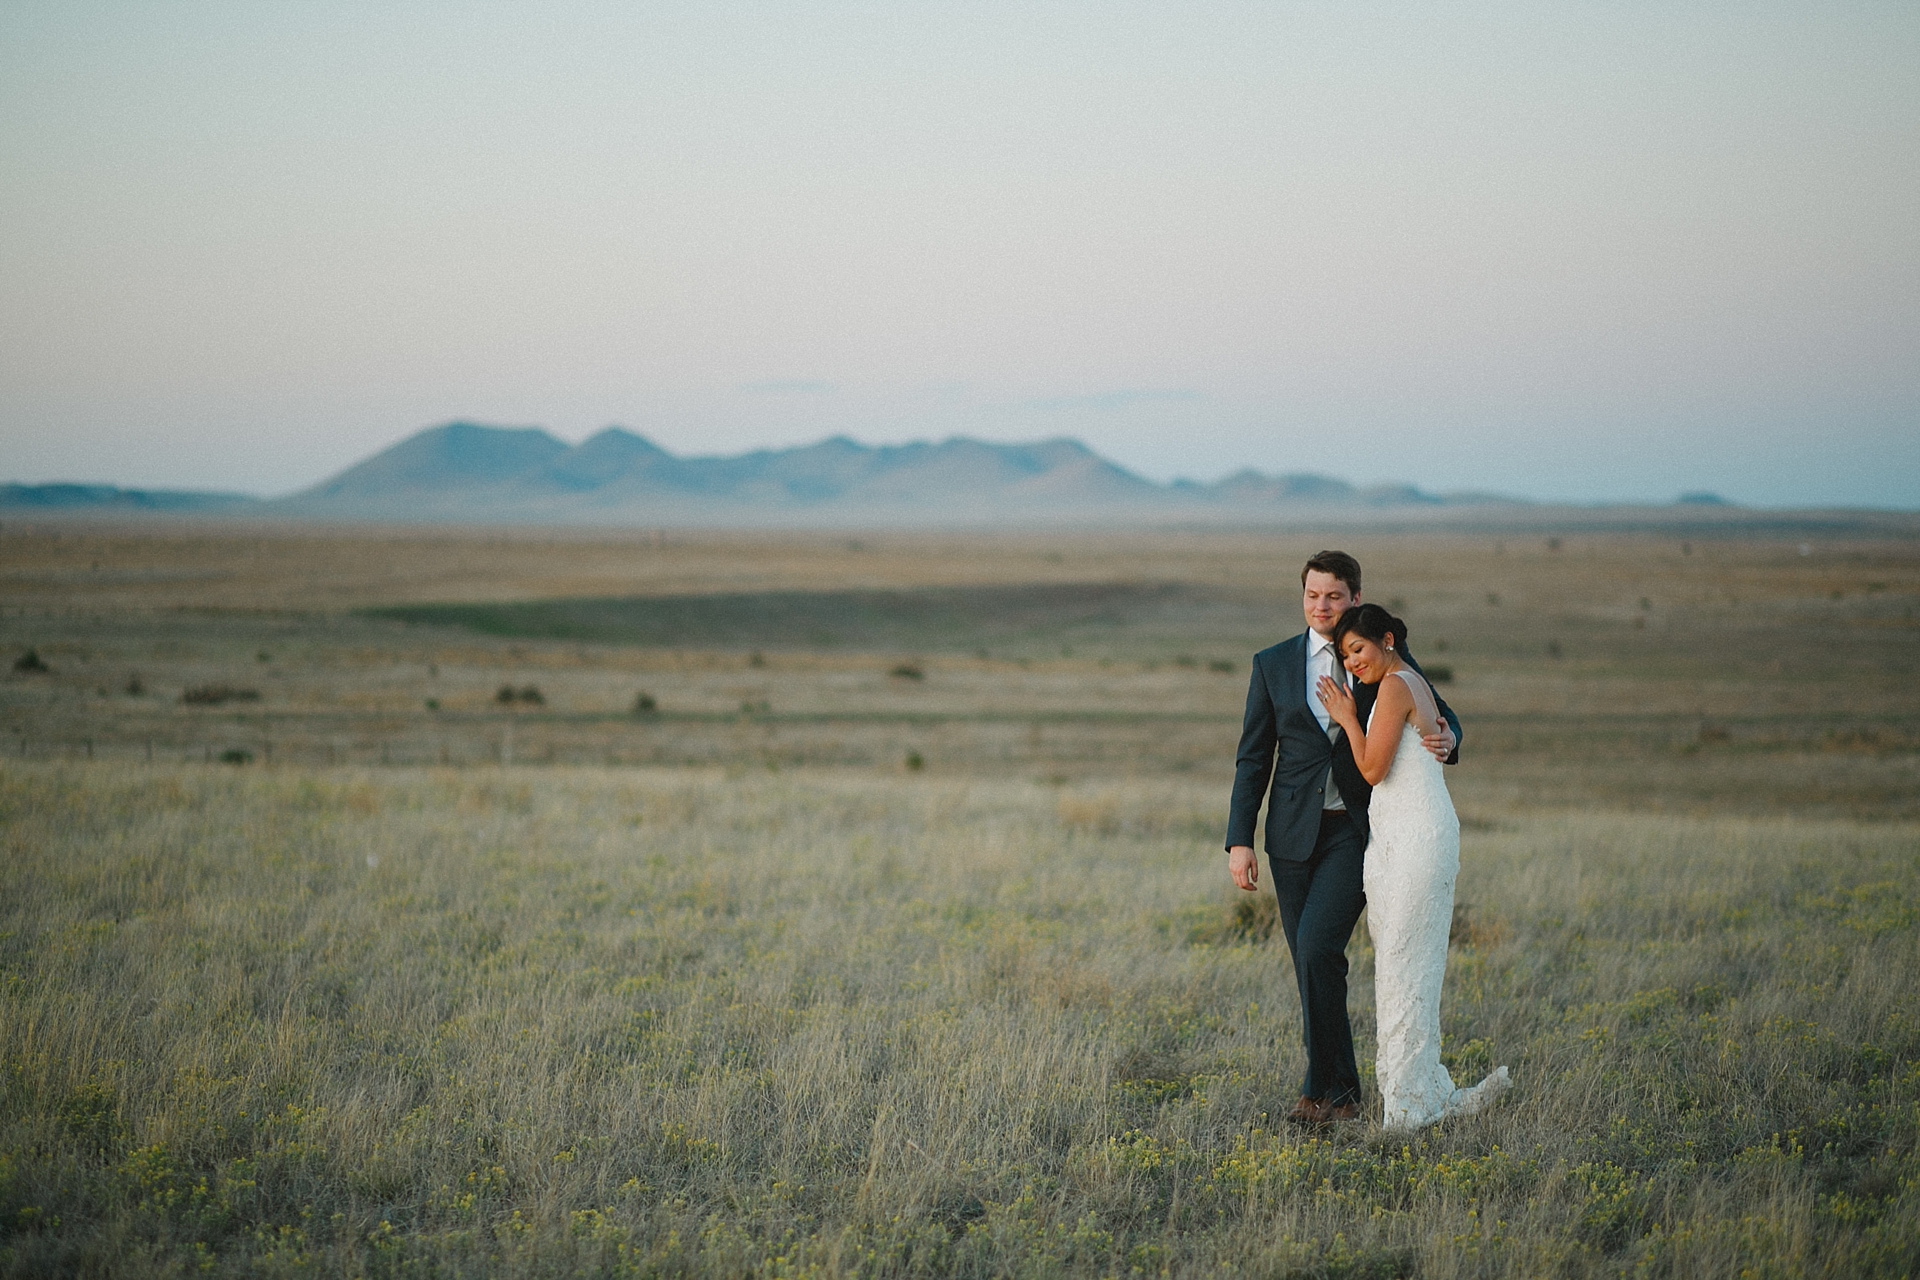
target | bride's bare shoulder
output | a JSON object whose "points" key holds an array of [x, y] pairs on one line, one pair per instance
{"points": [[1410, 680], [1393, 695], [1417, 693]]}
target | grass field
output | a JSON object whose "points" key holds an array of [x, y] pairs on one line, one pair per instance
{"points": [[731, 989]]}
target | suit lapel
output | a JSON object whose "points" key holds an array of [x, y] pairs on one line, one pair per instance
{"points": [[1294, 672]]}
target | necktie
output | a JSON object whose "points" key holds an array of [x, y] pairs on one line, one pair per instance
{"points": [[1332, 798], [1339, 668]]}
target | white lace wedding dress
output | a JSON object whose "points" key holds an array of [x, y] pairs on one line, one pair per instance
{"points": [[1413, 858]]}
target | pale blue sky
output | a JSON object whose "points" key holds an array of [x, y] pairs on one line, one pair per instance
{"points": [[1586, 251]]}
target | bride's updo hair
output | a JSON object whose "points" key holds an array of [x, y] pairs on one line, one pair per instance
{"points": [[1370, 622]]}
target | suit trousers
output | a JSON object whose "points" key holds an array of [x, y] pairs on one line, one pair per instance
{"points": [[1320, 900]]}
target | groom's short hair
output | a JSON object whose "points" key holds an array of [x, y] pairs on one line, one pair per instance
{"points": [[1337, 563]]}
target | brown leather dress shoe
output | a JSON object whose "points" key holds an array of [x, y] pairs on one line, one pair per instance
{"points": [[1309, 1111], [1345, 1111]]}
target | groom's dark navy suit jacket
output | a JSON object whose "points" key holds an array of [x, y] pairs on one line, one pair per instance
{"points": [[1282, 740]]}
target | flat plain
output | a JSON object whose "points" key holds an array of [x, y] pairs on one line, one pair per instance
{"points": [[394, 902]]}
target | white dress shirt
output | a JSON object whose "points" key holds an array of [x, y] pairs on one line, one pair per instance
{"points": [[1320, 662]]}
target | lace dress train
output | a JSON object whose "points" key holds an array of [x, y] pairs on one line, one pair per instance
{"points": [[1412, 861]]}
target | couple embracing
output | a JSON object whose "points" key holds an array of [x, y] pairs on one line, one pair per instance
{"points": [[1347, 738]]}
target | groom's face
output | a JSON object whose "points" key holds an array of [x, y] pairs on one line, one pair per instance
{"points": [[1324, 598]]}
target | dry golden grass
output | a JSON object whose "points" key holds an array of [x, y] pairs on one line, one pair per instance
{"points": [[730, 989], [1620, 667], [615, 1022]]}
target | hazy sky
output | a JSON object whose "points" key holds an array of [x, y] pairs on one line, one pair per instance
{"points": [[1589, 251]]}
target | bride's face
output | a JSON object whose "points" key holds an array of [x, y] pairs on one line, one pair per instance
{"points": [[1367, 661]]}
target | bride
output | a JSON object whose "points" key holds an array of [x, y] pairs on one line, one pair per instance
{"points": [[1411, 862]]}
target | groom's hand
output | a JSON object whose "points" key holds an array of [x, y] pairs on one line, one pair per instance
{"points": [[1441, 744], [1241, 866]]}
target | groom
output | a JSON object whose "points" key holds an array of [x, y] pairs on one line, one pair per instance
{"points": [[1316, 823]]}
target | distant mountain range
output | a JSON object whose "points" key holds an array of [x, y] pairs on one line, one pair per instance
{"points": [[463, 472], [106, 497]]}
